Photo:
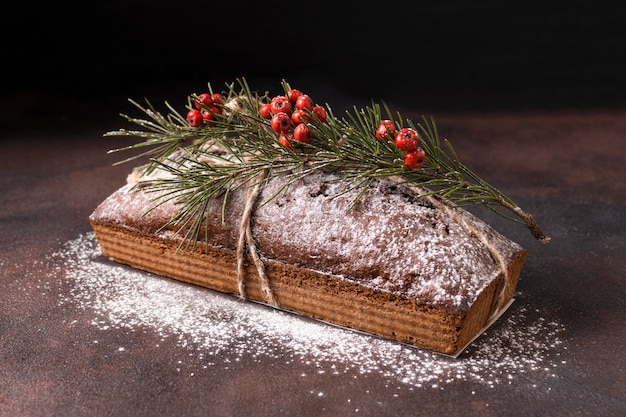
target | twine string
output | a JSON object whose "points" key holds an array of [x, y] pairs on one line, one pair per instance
{"points": [[245, 237]]}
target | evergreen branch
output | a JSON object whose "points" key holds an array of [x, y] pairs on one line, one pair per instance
{"points": [[239, 145]]}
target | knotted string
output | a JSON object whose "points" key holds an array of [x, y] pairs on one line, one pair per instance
{"points": [[245, 237]]}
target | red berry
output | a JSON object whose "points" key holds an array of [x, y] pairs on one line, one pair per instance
{"points": [[415, 158], [208, 117], [299, 116], [406, 139], [194, 118], [281, 122], [266, 111], [280, 104], [320, 112], [304, 102], [385, 131], [285, 140], [218, 98], [293, 95], [302, 133], [205, 99]]}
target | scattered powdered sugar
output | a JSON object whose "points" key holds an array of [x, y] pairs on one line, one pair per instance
{"points": [[224, 329]]}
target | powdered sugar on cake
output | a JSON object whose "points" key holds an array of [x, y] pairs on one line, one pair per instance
{"points": [[391, 240]]}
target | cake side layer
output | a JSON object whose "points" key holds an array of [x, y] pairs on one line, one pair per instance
{"points": [[321, 296]]}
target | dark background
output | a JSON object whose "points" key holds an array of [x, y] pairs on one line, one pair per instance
{"points": [[69, 63], [533, 96]]}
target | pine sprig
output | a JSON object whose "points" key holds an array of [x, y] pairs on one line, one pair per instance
{"points": [[239, 146]]}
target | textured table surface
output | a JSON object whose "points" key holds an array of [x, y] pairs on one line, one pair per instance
{"points": [[81, 336]]}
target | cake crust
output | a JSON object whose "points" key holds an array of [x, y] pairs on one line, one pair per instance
{"points": [[395, 265]]}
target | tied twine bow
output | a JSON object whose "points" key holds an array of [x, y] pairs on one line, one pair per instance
{"points": [[245, 237]]}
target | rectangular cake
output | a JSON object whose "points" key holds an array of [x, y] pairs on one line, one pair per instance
{"points": [[398, 265]]}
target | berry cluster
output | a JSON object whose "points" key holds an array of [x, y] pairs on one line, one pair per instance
{"points": [[406, 139], [206, 108], [287, 115]]}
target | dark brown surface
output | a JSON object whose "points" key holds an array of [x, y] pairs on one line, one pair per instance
{"points": [[567, 168]]}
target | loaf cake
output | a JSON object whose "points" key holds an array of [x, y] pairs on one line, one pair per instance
{"points": [[390, 259], [396, 265]]}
